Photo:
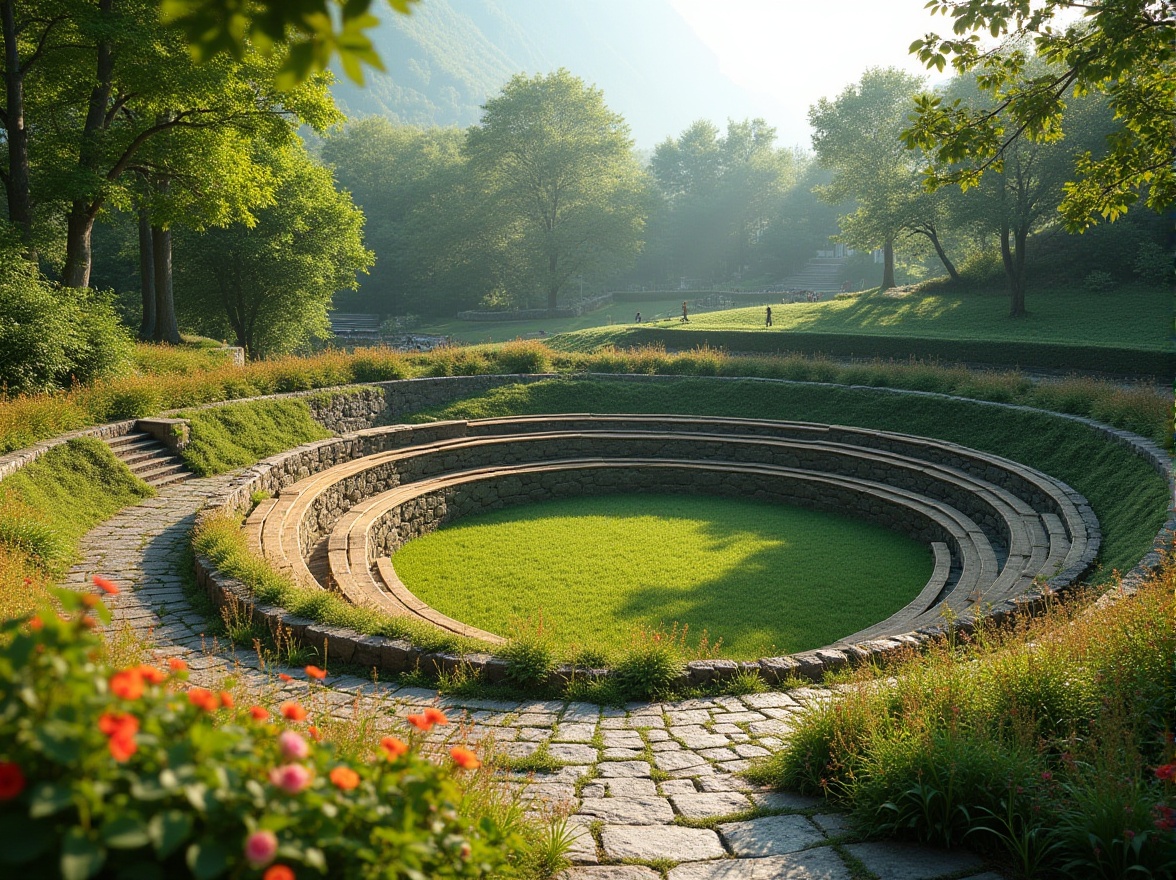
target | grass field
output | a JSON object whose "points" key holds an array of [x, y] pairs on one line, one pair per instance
{"points": [[615, 315], [765, 578], [1129, 497]]}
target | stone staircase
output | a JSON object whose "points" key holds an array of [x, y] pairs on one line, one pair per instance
{"points": [[820, 274], [149, 459]]}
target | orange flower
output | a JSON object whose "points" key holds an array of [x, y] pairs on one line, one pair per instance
{"points": [[151, 674], [176, 664], [203, 699], [292, 711], [121, 728], [226, 699], [90, 600], [435, 716], [258, 713], [344, 778], [420, 721], [464, 758], [278, 872], [315, 733], [315, 672], [106, 585], [393, 747], [35, 623], [284, 677], [122, 747], [127, 684]]}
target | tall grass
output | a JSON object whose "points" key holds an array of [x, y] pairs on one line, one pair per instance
{"points": [[1042, 740]]}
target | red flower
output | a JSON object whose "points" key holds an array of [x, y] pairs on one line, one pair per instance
{"points": [[127, 684], [203, 699], [1166, 772], [393, 747], [344, 778], [121, 728], [285, 677], [420, 721], [122, 747], [315, 672], [464, 758], [176, 664], [12, 780], [226, 699], [151, 674], [292, 711], [106, 585], [258, 713], [315, 733], [35, 623], [435, 716], [278, 872]]}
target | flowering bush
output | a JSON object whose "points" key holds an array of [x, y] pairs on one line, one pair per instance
{"points": [[131, 773]]}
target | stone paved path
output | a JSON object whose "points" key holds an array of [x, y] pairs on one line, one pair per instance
{"points": [[651, 783]]}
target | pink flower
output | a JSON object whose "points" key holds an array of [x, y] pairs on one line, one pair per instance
{"points": [[260, 848], [290, 778], [292, 745]]}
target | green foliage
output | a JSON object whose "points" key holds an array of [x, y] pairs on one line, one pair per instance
{"points": [[530, 654], [225, 438], [653, 663], [118, 773], [1098, 282]]}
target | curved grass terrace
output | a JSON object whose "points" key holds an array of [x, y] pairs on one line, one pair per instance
{"points": [[764, 578]]}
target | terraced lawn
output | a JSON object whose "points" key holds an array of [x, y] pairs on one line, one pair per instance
{"points": [[765, 578]]}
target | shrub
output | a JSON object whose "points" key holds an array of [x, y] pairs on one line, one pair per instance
{"points": [[130, 773], [1098, 282], [530, 654], [1153, 264]]}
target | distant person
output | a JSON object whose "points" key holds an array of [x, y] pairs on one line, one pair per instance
{"points": [[685, 313], [768, 323], [638, 318]]}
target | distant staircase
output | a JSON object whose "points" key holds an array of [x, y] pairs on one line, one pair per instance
{"points": [[149, 459], [352, 325], [820, 274]]}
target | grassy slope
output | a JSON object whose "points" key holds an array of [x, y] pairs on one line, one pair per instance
{"points": [[1134, 317], [1129, 498], [761, 577], [617, 314], [237, 435]]}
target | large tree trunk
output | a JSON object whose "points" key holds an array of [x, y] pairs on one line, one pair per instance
{"points": [[166, 329], [146, 275], [888, 264], [931, 234], [1013, 255], [17, 182], [78, 229]]}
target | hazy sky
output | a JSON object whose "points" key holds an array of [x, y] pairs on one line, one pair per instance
{"points": [[789, 53]]}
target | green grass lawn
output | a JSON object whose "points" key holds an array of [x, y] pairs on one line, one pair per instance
{"points": [[617, 315], [765, 578]]}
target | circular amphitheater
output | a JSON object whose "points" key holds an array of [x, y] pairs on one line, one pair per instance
{"points": [[1003, 535]]}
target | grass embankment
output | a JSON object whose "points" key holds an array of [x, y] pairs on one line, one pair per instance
{"points": [[764, 578], [46, 508], [1128, 331], [1050, 744], [617, 314], [1129, 497], [237, 435]]}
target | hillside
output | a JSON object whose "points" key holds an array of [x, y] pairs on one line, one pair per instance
{"points": [[450, 55]]}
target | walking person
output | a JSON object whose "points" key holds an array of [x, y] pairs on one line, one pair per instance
{"points": [[637, 320], [685, 313], [768, 322]]}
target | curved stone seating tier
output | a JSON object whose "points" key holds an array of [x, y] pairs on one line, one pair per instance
{"points": [[1000, 531]]}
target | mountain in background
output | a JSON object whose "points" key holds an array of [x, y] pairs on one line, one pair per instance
{"points": [[449, 56]]}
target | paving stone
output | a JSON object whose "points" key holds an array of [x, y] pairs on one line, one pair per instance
{"points": [[656, 735], [628, 810], [719, 755], [813, 864], [573, 752], [635, 721], [785, 800], [704, 740], [582, 850], [771, 700], [618, 769], [689, 716], [575, 733], [728, 729], [746, 750], [593, 790], [581, 713], [671, 761], [736, 766], [834, 824], [678, 786], [780, 728], [628, 739], [553, 795], [770, 836], [724, 783], [740, 717], [534, 734], [611, 872], [615, 754], [631, 787], [899, 861], [660, 842], [535, 719], [666, 746], [703, 769], [705, 805], [518, 749]]}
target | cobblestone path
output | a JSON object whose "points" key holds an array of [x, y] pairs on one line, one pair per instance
{"points": [[648, 783]]}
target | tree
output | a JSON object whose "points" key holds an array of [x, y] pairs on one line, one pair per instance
{"points": [[558, 168], [271, 283], [856, 136], [1124, 49]]}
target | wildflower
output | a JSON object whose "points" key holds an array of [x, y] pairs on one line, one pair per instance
{"points": [[292, 711], [1166, 772], [393, 747], [226, 699], [464, 758], [90, 600], [420, 721], [176, 664], [1128, 835], [127, 684], [292, 745], [290, 778], [35, 623], [315, 733], [466, 851], [1046, 776], [344, 778], [316, 673], [278, 872], [150, 674], [284, 677], [260, 848], [436, 716], [106, 585], [121, 729], [258, 713], [203, 699], [12, 780]]}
